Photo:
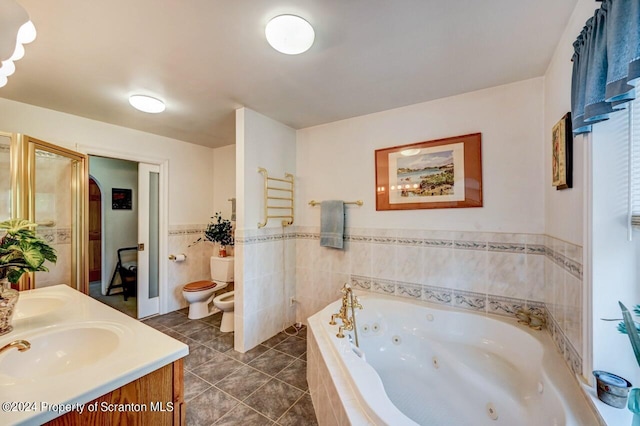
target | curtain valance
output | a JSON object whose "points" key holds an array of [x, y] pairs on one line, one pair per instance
{"points": [[606, 63]]}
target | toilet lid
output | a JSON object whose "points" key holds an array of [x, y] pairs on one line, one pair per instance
{"points": [[199, 286]]}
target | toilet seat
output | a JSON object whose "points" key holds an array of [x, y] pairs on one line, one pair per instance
{"points": [[199, 286]]}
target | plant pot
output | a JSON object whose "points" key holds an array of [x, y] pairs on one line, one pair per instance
{"points": [[222, 252], [8, 300]]}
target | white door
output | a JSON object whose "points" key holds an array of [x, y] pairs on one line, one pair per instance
{"points": [[148, 231]]}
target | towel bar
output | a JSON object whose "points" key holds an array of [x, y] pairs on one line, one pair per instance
{"points": [[315, 203]]}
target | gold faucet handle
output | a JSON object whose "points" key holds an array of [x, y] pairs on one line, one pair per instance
{"points": [[356, 302], [333, 319], [340, 334], [346, 288]]}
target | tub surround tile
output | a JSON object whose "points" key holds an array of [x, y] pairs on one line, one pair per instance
{"points": [[410, 291], [469, 300], [383, 286], [504, 306], [440, 295]]}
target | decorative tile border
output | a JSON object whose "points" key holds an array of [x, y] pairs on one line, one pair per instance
{"points": [[478, 302], [569, 265]]}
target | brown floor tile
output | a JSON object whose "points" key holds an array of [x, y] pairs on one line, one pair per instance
{"points": [[274, 398], [222, 343], [193, 386], [184, 339], [214, 319], [217, 368], [183, 311], [302, 413], [243, 382], [292, 346], [198, 354], [204, 335], [295, 375], [275, 340], [245, 416], [189, 327], [168, 320], [208, 407], [249, 355], [302, 333], [272, 362]]}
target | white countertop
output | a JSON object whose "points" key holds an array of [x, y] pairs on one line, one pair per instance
{"points": [[137, 351]]}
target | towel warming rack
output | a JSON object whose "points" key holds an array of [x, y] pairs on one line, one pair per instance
{"points": [[315, 203], [278, 194]]}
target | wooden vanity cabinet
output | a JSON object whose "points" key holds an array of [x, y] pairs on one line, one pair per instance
{"points": [[150, 393]]}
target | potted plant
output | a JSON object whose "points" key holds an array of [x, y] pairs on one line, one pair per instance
{"points": [[21, 250], [630, 328], [220, 231]]}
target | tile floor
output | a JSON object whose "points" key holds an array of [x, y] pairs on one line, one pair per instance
{"points": [[264, 386]]}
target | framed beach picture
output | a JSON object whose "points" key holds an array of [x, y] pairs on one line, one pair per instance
{"points": [[443, 173], [562, 153]]}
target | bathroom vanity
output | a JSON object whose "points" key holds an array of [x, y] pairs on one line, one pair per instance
{"points": [[88, 364]]}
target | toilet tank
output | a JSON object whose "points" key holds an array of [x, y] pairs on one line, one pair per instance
{"points": [[222, 269]]}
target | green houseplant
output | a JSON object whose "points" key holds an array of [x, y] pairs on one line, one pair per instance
{"points": [[630, 328], [220, 231], [21, 250]]}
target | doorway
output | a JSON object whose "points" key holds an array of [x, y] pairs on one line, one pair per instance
{"points": [[125, 226]]}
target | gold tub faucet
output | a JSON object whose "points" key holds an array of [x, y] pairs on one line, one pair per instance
{"points": [[21, 345], [348, 321]]}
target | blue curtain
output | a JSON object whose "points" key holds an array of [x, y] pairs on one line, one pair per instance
{"points": [[606, 63]]}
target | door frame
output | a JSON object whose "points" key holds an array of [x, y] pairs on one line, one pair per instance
{"points": [[163, 219], [97, 183], [23, 201]]}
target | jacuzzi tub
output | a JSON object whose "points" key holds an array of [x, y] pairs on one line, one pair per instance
{"points": [[420, 364]]}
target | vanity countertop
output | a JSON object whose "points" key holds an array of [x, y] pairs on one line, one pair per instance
{"points": [[80, 349]]}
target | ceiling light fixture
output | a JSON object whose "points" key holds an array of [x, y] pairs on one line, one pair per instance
{"points": [[290, 34], [15, 30], [146, 104]]}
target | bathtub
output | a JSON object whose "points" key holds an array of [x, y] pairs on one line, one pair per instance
{"points": [[423, 364]]}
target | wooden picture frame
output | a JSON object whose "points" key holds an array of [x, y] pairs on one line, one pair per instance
{"points": [[562, 153], [437, 174]]}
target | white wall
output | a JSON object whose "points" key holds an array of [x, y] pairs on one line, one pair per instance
{"points": [[190, 175], [563, 209], [224, 179], [265, 259], [119, 227], [336, 160]]}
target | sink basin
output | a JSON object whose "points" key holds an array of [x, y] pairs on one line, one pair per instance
{"points": [[31, 306], [59, 351]]}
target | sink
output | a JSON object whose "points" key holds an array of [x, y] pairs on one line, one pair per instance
{"points": [[58, 351], [31, 306]]}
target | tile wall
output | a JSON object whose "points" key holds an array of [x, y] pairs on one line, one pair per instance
{"points": [[195, 268], [495, 273], [265, 282]]}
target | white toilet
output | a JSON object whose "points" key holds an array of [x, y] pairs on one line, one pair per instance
{"points": [[199, 294], [224, 302]]}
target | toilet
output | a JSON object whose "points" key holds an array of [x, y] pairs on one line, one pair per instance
{"points": [[224, 302], [199, 294]]}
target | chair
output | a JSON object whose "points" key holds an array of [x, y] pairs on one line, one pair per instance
{"points": [[128, 274]]}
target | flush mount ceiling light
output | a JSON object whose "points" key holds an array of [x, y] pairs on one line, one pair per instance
{"points": [[146, 104], [15, 30], [290, 34]]}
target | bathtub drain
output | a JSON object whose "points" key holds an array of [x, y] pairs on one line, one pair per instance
{"points": [[492, 412]]}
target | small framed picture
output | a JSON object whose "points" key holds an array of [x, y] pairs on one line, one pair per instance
{"points": [[443, 173], [562, 153], [121, 199]]}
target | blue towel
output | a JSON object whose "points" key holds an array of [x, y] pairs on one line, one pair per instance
{"points": [[332, 224]]}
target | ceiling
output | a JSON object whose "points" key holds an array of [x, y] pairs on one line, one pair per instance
{"points": [[206, 58]]}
